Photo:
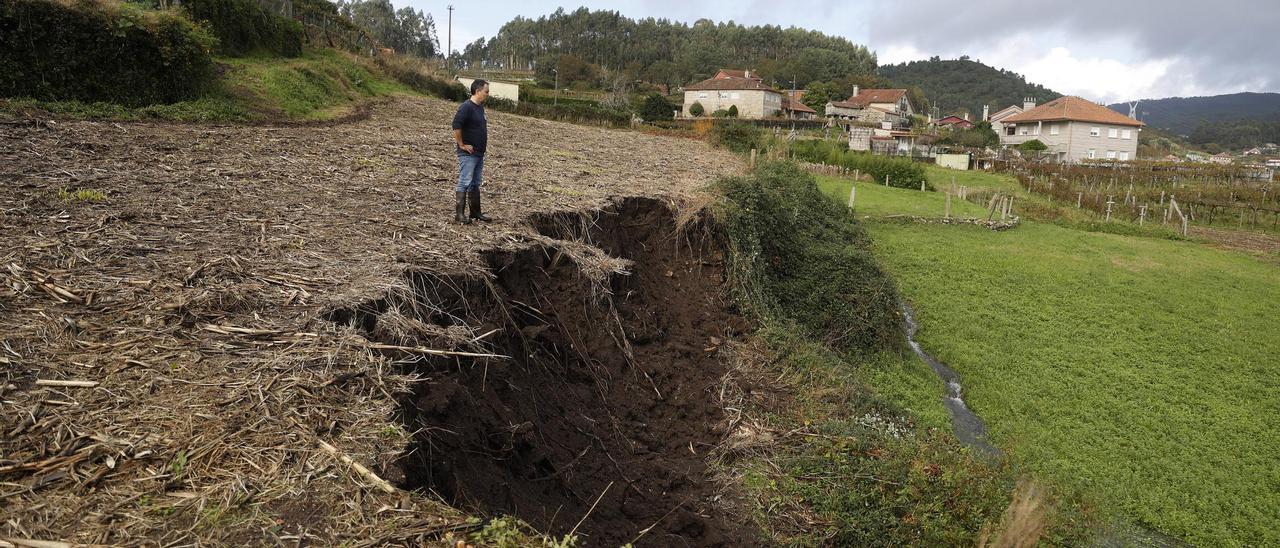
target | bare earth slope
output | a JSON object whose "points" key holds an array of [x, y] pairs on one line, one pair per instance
{"points": [[194, 302]]}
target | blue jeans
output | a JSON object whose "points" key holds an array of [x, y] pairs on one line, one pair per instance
{"points": [[470, 172]]}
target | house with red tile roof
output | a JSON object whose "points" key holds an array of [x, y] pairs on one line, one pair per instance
{"points": [[729, 88], [1074, 129], [873, 105], [953, 122]]}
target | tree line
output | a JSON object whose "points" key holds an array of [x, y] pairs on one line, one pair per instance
{"points": [[405, 30], [666, 52]]}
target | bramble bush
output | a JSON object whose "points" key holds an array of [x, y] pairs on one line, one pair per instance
{"points": [[101, 51]]}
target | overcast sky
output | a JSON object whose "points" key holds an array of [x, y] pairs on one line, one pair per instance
{"points": [[1106, 51]]}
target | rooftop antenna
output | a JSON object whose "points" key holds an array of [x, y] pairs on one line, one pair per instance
{"points": [[1133, 110]]}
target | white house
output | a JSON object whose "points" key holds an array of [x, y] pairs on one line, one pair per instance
{"points": [[734, 88], [1075, 129]]}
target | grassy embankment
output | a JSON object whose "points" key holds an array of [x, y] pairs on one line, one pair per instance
{"points": [[321, 84], [1137, 370]]}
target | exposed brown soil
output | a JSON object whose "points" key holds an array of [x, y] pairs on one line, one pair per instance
{"points": [[609, 396], [200, 295]]}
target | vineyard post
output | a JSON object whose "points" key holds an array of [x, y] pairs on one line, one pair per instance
{"points": [[853, 193], [1110, 201], [1079, 197], [947, 212], [1142, 214]]}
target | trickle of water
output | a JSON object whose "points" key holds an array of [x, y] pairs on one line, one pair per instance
{"points": [[969, 428]]}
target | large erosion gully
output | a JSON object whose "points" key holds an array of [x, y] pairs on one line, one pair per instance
{"points": [[605, 403]]}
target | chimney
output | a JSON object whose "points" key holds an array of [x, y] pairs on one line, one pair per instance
{"points": [[855, 92], [748, 73], [966, 116], [986, 113], [1028, 103]]}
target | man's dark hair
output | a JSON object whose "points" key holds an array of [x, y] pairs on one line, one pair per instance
{"points": [[477, 84]]}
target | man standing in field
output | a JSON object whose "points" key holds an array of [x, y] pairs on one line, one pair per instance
{"points": [[471, 134]]}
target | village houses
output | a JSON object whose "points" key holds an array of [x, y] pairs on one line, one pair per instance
{"points": [[738, 88], [1074, 130]]}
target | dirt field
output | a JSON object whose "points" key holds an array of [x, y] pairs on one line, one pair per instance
{"points": [[195, 345]]}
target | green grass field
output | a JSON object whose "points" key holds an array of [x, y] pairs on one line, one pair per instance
{"points": [[1139, 371]]}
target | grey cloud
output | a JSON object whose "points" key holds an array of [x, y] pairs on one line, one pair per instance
{"points": [[1225, 44]]}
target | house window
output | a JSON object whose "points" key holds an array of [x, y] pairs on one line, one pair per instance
{"points": [[1094, 132], [735, 95], [1124, 156], [702, 95], [1025, 131], [1093, 153], [1111, 154], [1010, 130], [724, 95], [1053, 129], [1126, 134], [1113, 133]]}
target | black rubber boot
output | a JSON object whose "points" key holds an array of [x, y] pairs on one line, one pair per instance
{"points": [[460, 210], [475, 207]]}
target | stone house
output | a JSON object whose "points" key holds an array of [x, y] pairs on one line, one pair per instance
{"points": [[728, 88], [1074, 129], [873, 105]]}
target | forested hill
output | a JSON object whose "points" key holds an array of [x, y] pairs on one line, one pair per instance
{"points": [[1183, 115], [667, 52], [963, 84]]}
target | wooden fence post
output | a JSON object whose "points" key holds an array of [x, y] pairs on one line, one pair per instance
{"points": [[853, 193], [753, 158], [947, 212]]}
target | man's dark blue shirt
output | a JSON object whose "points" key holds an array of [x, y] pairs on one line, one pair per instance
{"points": [[475, 132]]}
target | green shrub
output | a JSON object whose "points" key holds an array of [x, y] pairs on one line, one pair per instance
{"points": [[733, 111], [720, 113], [99, 51], [736, 136], [801, 256], [696, 109], [1034, 145], [243, 27], [900, 172], [656, 107]]}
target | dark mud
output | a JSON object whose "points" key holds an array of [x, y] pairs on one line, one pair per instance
{"points": [[610, 391]]}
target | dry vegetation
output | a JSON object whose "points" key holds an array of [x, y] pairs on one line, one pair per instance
{"points": [[169, 375]]}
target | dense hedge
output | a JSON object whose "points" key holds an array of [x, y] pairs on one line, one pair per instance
{"points": [[901, 172], [92, 51], [800, 256], [243, 27], [565, 112]]}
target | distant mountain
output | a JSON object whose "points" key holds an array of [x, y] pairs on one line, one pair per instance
{"points": [[962, 84], [1184, 115]]}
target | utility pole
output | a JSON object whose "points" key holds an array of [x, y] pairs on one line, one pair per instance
{"points": [[448, 53], [555, 101]]}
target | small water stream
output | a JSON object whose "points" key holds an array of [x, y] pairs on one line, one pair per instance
{"points": [[969, 428]]}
